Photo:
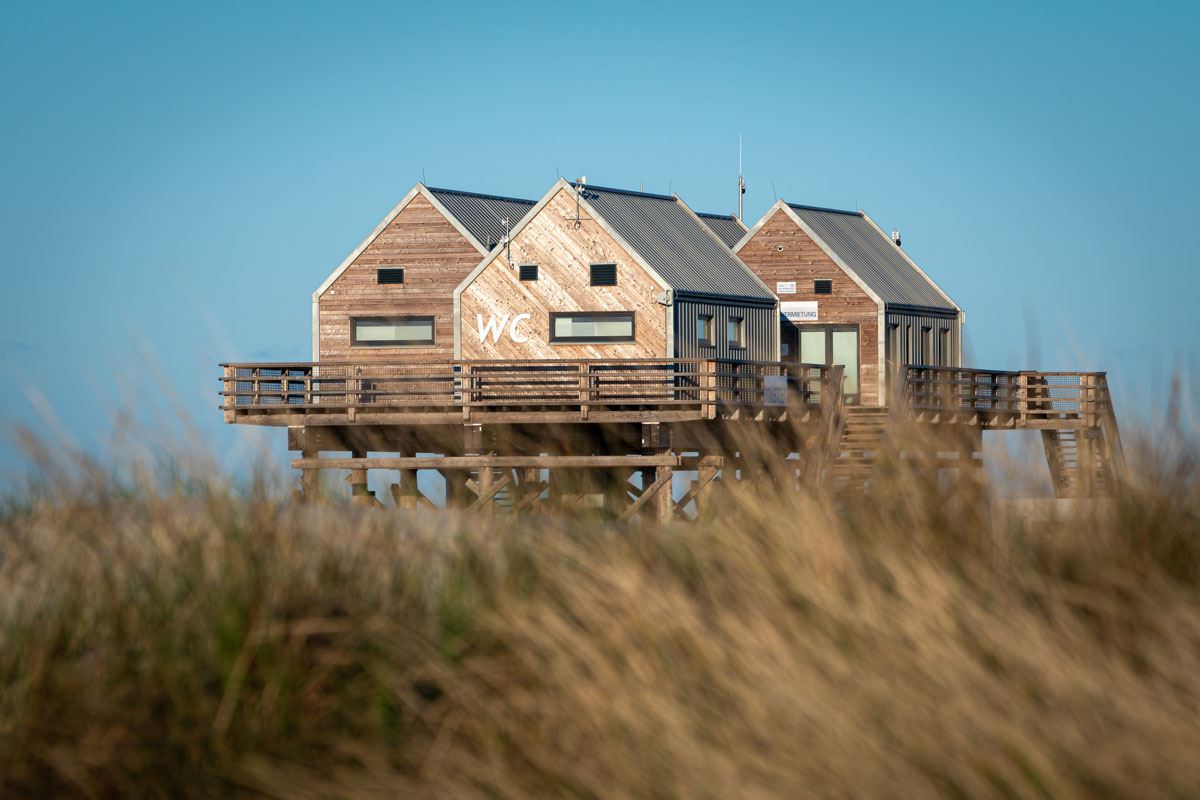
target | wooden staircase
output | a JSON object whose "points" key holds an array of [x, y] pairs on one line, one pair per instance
{"points": [[1080, 462], [861, 442]]}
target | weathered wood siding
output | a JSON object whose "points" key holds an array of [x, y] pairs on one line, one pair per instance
{"points": [[563, 253], [435, 258], [781, 251]]}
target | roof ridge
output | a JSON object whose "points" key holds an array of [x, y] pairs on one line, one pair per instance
{"points": [[715, 216], [824, 208], [614, 190], [481, 195]]}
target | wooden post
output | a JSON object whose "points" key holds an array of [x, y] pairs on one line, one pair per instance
{"points": [[468, 392], [708, 383], [359, 493], [584, 390], [486, 477], [310, 479], [230, 400]]}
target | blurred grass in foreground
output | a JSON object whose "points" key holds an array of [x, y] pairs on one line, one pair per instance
{"points": [[179, 636]]}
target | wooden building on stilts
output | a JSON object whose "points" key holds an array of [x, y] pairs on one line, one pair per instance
{"points": [[586, 348]]}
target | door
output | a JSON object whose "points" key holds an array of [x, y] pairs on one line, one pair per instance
{"points": [[833, 344]]}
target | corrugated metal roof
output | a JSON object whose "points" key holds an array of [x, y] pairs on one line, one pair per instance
{"points": [[874, 257], [483, 214], [726, 226], [675, 244]]}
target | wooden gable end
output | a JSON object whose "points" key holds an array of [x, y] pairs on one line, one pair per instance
{"points": [[514, 315], [781, 251], [435, 258]]}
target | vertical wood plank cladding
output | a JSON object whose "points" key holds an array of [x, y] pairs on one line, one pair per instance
{"points": [[435, 258], [781, 251], [563, 253]]}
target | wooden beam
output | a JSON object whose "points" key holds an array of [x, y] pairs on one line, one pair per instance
{"points": [[650, 491], [706, 477], [488, 490], [498, 462]]}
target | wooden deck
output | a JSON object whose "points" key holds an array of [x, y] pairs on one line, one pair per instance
{"points": [[630, 390], [482, 420]]}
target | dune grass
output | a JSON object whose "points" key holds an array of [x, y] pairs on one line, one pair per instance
{"points": [[192, 638]]}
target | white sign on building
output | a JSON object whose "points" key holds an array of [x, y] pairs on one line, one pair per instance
{"points": [[799, 310], [785, 287]]}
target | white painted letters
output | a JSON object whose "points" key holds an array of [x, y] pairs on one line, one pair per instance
{"points": [[513, 334], [491, 327], [495, 328]]}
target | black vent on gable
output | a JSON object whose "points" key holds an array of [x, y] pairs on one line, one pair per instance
{"points": [[529, 272], [823, 286], [390, 275], [604, 274]]}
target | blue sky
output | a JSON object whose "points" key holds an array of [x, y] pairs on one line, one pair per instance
{"points": [[176, 180]]}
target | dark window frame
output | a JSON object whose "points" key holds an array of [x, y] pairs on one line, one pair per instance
{"points": [[592, 274], [379, 274], [423, 318], [556, 339], [823, 286], [521, 272], [705, 341], [738, 342]]}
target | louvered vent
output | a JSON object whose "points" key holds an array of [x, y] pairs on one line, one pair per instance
{"points": [[823, 286], [604, 274], [390, 275], [529, 272]]}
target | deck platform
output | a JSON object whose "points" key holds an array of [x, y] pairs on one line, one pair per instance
{"points": [[492, 428]]}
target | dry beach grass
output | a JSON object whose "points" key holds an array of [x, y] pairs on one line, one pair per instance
{"points": [[195, 638]]}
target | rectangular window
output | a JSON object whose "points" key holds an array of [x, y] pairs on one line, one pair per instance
{"points": [[389, 275], [823, 286], [391, 331], [947, 359], [927, 346], [604, 274], [529, 272], [591, 326], [737, 332], [704, 325]]}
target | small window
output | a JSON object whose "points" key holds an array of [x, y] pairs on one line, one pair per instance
{"points": [[704, 325], [823, 286], [947, 358], [391, 331], [604, 274], [390, 275], [737, 332], [594, 326], [529, 272], [927, 346]]}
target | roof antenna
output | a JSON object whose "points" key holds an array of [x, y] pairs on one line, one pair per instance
{"points": [[422, 175], [580, 187], [507, 240], [773, 191], [557, 174], [670, 185], [741, 180]]}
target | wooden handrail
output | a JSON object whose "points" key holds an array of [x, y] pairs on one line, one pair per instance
{"points": [[372, 387]]}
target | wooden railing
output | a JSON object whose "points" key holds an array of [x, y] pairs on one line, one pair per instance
{"points": [[578, 389], [1026, 399]]}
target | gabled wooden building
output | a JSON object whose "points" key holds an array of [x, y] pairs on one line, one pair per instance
{"points": [[392, 299], [850, 295], [598, 273]]}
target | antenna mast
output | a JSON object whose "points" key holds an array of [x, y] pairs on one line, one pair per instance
{"points": [[741, 180]]}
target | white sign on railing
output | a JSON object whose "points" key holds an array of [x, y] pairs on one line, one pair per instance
{"points": [[799, 310], [774, 390]]}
